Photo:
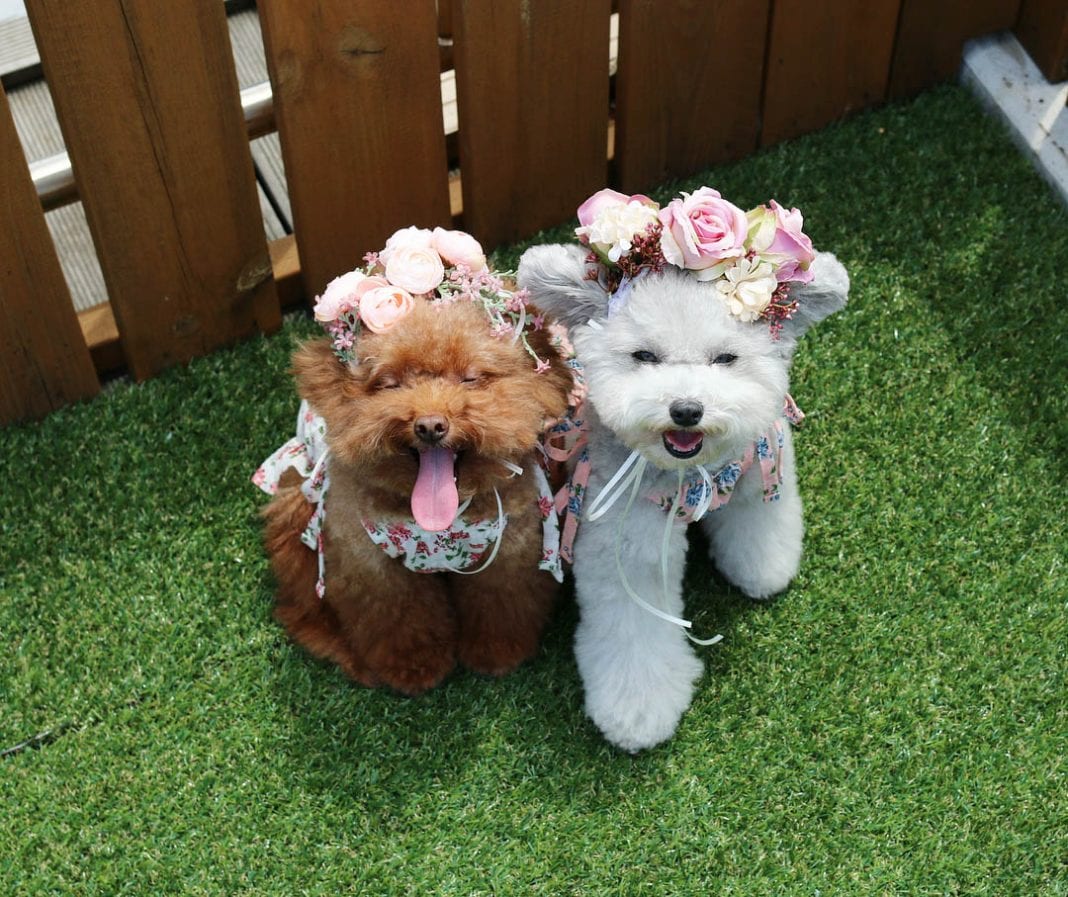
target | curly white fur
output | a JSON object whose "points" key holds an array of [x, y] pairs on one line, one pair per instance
{"points": [[639, 671]]}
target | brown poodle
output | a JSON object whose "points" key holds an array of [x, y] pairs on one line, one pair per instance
{"points": [[420, 424]]}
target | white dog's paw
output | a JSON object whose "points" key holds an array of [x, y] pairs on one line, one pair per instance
{"points": [[761, 579], [636, 697], [757, 545]]}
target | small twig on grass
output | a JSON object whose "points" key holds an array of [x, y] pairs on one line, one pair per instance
{"points": [[42, 739], [38, 741]]}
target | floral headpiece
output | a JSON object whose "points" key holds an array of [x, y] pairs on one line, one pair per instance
{"points": [[751, 258], [440, 266]]}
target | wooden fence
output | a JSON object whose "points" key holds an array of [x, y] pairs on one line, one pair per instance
{"points": [[149, 106]]}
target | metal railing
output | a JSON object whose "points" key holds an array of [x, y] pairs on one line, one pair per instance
{"points": [[53, 176]]}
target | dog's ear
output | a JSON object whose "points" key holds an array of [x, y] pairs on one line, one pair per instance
{"points": [[321, 379], [825, 294], [555, 275]]}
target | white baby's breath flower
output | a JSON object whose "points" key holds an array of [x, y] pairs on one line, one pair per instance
{"points": [[747, 288], [613, 231]]}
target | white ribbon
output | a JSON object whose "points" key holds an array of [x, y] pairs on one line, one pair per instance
{"points": [[630, 474], [501, 524]]}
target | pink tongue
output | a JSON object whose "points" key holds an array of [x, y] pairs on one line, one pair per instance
{"points": [[684, 440], [434, 498]]}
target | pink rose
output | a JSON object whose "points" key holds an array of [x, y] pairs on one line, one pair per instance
{"points": [[340, 295], [702, 231], [414, 268], [603, 199], [383, 307], [458, 248], [790, 247], [418, 237]]}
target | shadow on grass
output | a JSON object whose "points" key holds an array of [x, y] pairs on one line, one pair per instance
{"points": [[386, 752], [1006, 313]]}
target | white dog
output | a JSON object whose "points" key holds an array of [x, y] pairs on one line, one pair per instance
{"points": [[691, 396]]}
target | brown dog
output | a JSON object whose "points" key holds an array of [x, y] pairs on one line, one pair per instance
{"points": [[421, 423]]}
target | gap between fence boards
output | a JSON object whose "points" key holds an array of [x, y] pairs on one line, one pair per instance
{"points": [[101, 332]]}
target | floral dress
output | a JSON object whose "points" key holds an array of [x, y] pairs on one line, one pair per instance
{"points": [[464, 545]]}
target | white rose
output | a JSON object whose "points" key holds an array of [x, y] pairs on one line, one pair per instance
{"points": [[412, 237], [747, 287], [613, 230], [416, 269]]}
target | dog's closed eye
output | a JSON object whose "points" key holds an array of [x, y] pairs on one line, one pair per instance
{"points": [[385, 381], [477, 377], [645, 356]]}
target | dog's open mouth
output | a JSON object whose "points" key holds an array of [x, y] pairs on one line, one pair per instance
{"points": [[435, 499], [683, 443]]}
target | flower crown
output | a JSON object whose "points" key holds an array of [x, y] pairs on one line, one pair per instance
{"points": [[441, 266], [751, 258]]}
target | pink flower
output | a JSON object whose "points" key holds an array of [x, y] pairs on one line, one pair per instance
{"points": [[418, 237], [791, 244], [382, 307], [339, 296], [702, 231], [458, 248], [542, 366], [416, 269], [604, 199]]}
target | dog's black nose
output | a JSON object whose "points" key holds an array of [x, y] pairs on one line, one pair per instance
{"points": [[686, 412], [431, 428]]}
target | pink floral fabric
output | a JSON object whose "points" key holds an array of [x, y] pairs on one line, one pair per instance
{"points": [[696, 492], [463, 547]]}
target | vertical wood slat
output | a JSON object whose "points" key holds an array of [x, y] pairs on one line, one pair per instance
{"points": [[44, 362], [931, 36], [532, 89], [701, 109], [357, 98], [826, 58], [148, 101], [1042, 28]]}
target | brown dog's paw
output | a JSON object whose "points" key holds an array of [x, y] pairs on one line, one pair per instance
{"points": [[495, 656], [412, 667]]}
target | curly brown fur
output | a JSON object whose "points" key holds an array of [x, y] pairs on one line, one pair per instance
{"points": [[380, 622]]}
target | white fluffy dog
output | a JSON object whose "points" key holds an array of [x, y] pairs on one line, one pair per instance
{"points": [[684, 386]]}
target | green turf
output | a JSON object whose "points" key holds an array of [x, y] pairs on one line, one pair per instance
{"points": [[896, 724]]}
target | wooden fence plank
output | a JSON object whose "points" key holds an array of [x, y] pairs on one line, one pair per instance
{"points": [[1042, 28], [931, 36], [102, 335], [148, 102], [357, 98], [826, 58], [44, 362], [701, 109], [532, 88]]}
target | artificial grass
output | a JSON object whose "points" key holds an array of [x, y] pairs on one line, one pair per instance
{"points": [[897, 723]]}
